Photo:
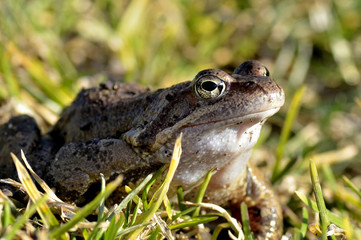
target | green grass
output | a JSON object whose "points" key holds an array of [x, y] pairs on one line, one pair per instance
{"points": [[49, 50]]}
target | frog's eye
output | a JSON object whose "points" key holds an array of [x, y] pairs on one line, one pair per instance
{"points": [[252, 68], [207, 88], [266, 72]]}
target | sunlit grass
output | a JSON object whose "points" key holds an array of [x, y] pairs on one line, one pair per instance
{"points": [[79, 37], [49, 50]]}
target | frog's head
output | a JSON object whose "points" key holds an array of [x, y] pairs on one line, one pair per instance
{"points": [[220, 116]]}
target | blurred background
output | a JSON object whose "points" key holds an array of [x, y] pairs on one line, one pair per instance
{"points": [[49, 50]]}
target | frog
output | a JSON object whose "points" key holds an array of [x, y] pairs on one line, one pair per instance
{"points": [[125, 129]]}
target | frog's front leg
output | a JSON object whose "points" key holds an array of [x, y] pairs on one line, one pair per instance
{"points": [[263, 207], [77, 166]]}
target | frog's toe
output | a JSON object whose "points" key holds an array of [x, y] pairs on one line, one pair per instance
{"points": [[266, 222], [264, 209]]}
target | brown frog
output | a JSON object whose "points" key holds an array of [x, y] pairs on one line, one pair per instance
{"points": [[125, 129]]}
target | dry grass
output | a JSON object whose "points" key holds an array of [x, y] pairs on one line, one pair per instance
{"points": [[51, 49]]}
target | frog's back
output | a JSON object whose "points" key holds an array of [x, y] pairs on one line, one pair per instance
{"points": [[101, 112]]}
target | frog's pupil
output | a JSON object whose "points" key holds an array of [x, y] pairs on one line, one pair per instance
{"points": [[209, 85]]}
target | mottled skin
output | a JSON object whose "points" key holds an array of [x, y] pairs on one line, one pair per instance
{"points": [[125, 129]]}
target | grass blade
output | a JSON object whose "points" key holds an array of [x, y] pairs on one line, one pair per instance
{"points": [[245, 222], [352, 186], [168, 206], [43, 209], [149, 185], [132, 228], [202, 191], [286, 130], [180, 198], [89, 208], [131, 195], [164, 188], [219, 228], [41, 77], [40, 181], [313, 205], [303, 228], [135, 213], [319, 200], [194, 222], [20, 221], [234, 223], [6, 218]]}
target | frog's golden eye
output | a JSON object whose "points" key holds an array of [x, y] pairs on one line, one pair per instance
{"points": [[252, 68], [266, 72], [208, 88]]}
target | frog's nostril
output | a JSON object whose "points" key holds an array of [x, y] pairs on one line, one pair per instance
{"points": [[249, 84]]}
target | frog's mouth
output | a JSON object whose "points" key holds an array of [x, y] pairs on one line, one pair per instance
{"points": [[250, 119]]}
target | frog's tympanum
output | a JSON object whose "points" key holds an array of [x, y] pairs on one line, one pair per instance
{"points": [[126, 129]]}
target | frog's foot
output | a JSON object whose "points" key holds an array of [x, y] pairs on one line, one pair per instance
{"points": [[265, 221], [263, 207]]}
